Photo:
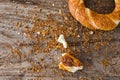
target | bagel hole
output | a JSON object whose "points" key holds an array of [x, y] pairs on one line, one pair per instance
{"points": [[100, 6]]}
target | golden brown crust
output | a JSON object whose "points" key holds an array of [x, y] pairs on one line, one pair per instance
{"points": [[82, 16], [73, 4], [69, 60], [102, 22], [77, 10], [117, 6], [69, 63], [92, 19], [115, 15]]}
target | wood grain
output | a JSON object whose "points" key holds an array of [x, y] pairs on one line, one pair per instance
{"points": [[21, 12]]}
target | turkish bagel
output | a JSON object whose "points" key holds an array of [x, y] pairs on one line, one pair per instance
{"points": [[92, 19]]}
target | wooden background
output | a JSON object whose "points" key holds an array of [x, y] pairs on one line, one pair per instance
{"points": [[14, 11]]}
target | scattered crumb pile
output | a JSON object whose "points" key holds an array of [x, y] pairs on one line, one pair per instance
{"points": [[45, 33]]}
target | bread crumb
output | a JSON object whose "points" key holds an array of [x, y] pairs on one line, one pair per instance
{"points": [[91, 32], [62, 40]]}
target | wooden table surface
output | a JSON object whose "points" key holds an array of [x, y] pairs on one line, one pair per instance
{"points": [[13, 12]]}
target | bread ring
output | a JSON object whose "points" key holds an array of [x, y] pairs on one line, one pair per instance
{"points": [[94, 20]]}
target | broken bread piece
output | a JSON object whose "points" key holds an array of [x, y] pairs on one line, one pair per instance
{"points": [[62, 40], [70, 63]]}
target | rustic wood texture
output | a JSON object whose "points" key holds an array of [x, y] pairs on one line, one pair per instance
{"points": [[14, 68]]}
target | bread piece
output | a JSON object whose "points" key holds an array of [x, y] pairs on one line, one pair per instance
{"points": [[62, 40], [94, 20], [70, 63]]}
